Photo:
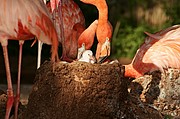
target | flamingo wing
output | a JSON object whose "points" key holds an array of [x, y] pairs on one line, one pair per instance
{"points": [[166, 52], [25, 17], [163, 52]]}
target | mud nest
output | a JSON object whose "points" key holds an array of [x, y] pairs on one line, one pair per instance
{"points": [[77, 90], [93, 91]]}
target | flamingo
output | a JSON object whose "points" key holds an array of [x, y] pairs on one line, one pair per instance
{"points": [[71, 28], [104, 29], [70, 23], [22, 20], [159, 51]]}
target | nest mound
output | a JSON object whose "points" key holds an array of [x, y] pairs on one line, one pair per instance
{"points": [[77, 90], [81, 90]]}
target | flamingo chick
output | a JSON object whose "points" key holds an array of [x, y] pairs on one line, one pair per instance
{"points": [[87, 56], [22, 20], [104, 29], [159, 51]]}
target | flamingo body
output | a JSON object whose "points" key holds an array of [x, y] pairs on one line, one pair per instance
{"points": [[70, 23], [159, 51], [23, 20], [72, 15]]}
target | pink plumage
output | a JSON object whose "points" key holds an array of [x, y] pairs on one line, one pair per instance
{"points": [[158, 52], [70, 23], [23, 20]]}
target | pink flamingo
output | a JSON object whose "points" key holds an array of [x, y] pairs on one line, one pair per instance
{"points": [[22, 20], [103, 31], [70, 23]]}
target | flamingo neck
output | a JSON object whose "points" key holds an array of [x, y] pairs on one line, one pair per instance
{"points": [[131, 72], [103, 12], [136, 70]]}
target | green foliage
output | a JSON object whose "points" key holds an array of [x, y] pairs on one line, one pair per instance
{"points": [[173, 11], [126, 40], [128, 36]]}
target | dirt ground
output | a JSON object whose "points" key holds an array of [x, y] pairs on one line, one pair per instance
{"points": [[99, 91]]}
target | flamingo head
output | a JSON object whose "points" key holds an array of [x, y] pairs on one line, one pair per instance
{"points": [[87, 56], [104, 51], [81, 50]]}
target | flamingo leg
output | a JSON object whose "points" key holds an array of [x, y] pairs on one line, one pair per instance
{"points": [[10, 94], [39, 53], [17, 98]]}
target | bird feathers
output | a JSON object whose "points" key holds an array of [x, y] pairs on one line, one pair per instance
{"points": [[165, 52], [87, 36], [29, 14], [159, 51], [24, 19]]}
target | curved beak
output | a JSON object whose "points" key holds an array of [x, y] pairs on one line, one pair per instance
{"points": [[92, 59], [105, 51], [101, 59], [80, 51]]}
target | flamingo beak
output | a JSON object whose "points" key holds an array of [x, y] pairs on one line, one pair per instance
{"points": [[80, 51], [105, 51], [92, 59]]}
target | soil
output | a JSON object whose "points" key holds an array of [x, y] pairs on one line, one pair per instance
{"points": [[99, 91]]}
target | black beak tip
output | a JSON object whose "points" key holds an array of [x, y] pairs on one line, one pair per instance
{"points": [[101, 59]]}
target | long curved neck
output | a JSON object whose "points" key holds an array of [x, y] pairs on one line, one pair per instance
{"points": [[103, 12], [136, 70], [131, 72]]}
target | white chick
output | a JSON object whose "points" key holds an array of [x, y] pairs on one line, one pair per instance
{"points": [[87, 56]]}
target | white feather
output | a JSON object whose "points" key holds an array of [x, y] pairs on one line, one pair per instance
{"points": [[86, 57]]}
